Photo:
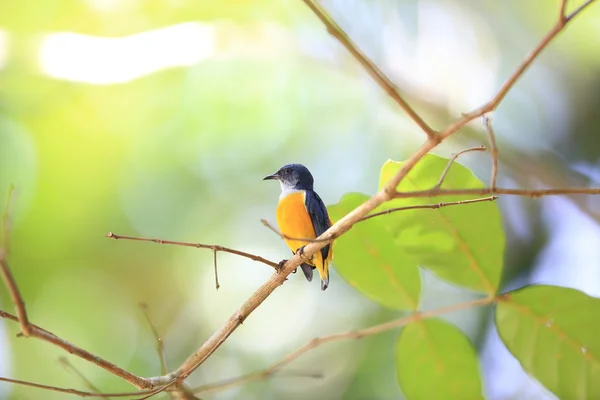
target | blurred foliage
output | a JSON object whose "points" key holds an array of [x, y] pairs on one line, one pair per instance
{"points": [[435, 359], [552, 331], [172, 153]]}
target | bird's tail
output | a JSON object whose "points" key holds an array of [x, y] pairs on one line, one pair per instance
{"points": [[324, 274]]}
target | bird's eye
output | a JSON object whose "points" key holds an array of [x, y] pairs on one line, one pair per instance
{"points": [[286, 171]]}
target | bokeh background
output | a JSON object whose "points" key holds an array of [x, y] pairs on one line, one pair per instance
{"points": [[159, 118]]}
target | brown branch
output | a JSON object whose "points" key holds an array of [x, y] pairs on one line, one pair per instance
{"points": [[497, 191], [493, 150], [384, 82], [213, 247], [428, 206], [75, 392], [6, 273], [451, 161], [41, 333]]}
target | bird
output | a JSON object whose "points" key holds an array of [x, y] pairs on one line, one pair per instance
{"points": [[301, 214]]}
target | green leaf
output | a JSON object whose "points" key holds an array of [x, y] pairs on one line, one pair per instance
{"points": [[369, 259], [463, 244], [435, 360], [554, 332]]}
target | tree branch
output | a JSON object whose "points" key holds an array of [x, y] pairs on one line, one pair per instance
{"points": [[384, 82], [213, 247], [428, 206]]}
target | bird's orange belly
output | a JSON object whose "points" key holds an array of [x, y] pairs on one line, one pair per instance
{"points": [[294, 221]]}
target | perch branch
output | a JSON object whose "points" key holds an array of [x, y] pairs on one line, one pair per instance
{"points": [[384, 82], [213, 247]]}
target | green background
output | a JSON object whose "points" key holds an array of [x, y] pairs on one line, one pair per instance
{"points": [[180, 153]]}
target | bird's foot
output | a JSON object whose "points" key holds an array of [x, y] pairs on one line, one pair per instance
{"points": [[300, 252], [280, 265]]}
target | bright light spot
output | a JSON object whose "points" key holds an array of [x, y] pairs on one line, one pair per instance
{"points": [[97, 60], [3, 47]]}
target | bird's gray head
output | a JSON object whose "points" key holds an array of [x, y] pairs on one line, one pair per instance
{"points": [[293, 177]]}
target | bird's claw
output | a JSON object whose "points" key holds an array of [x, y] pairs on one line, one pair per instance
{"points": [[280, 265], [300, 252]]}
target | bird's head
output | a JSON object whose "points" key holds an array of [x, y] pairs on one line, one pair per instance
{"points": [[293, 176]]}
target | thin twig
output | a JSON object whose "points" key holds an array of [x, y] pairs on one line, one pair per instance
{"points": [[251, 377], [384, 82], [578, 10], [64, 361], [160, 348], [428, 206], [451, 161], [281, 235], [41, 333], [497, 191], [213, 247], [75, 392], [217, 286], [493, 150], [6, 273]]}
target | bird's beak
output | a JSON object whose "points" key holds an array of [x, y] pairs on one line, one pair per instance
{"points": [[271, 177]]}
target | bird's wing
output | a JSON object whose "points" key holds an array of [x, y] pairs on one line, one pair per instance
{"points": [[318, 215]]}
